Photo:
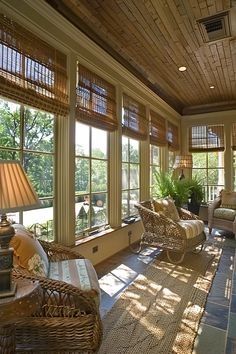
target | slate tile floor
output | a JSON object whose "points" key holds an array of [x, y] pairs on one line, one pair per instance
{"points": [[217, 330]]}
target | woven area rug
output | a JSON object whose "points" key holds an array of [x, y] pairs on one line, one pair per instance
{"points": [[161, 310]]}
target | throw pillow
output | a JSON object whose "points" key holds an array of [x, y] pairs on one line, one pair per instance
{"points": [[167, 207], [228, 199], [28, 252]]}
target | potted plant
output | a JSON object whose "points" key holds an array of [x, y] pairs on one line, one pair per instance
{"points": [[196, 195], [170, 186]]}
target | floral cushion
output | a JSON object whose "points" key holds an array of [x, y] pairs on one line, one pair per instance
{"points": [[167, 207], [28, 252], [225, 213], [228, 199]]}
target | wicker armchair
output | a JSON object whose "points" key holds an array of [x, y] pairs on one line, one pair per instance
{"points": [[174, 237], [68, 319]]}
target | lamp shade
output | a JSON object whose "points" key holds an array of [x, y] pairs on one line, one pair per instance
{"points": [[183, 161], [16, 191]]}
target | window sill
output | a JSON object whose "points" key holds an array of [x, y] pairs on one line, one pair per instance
{"points": [[89, 238]]}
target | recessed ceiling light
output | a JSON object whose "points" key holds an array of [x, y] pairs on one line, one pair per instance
{"points": [[182, 68], [212, 86]]}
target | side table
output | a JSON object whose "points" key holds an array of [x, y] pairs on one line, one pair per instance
{"points": [[24, 303]]}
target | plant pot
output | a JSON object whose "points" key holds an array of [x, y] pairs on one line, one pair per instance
{"points": [[194, 207]]}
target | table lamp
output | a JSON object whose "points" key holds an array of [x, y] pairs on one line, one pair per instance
{"points": [[16, 194], [183, 161]]}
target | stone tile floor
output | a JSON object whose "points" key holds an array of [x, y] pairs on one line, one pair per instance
{"points": [[217, 330]]}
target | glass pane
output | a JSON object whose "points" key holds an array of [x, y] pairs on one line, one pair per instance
{"points": [[154, 171], [171, 159], [99, 143], [134, 150], [100, 209], [125, 205], [199, 160], [99, 175], [134, 198], [9, 124], [82, 139], [200, 174], [39, 169], [125, 176], [215, 159], [214, 177], [155, 155], [9, 155], [125, 149], [40, 221], [81, 175], [38, 130], [82, 213], [134, 176]]}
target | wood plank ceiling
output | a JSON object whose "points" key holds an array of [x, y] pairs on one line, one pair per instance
{"points": [[153, 38]]}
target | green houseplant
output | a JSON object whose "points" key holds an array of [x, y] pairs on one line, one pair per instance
{"points": [[169, 186], [196, 194]]}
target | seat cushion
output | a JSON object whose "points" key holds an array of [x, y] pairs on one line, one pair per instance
{"points": [[228, 199], [225, 213], [167, 207], [28, 252], [192, 228], [77, 272]]}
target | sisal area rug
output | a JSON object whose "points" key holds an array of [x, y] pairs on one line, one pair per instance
{"points": [[159, 313]]}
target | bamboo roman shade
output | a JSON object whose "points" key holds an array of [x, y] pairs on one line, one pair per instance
{"points": [[233, 143], [157, 130], [134, 121], [172, 137], [31, 71], [206, 138], [96, 100]]}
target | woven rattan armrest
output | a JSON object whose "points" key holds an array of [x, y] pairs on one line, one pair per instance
{"points": [[186, 214], [57, 252], [59, 297]]}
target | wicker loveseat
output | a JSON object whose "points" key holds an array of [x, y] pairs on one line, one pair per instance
{"points": [[176, 231], [68, 319], [222, 212]]}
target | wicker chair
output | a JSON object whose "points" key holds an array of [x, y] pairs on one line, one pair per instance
{"points": [[161, 231], [68, 319]]}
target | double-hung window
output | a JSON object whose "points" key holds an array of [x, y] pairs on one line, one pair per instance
{"points": [[157, 134], [206, 143], [31, 76], [95, 118], [134, 129], [173, 143]]}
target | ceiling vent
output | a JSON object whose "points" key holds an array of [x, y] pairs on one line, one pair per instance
{"points": [[215, 27]]}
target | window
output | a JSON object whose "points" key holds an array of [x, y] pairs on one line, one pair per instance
{"points": [[134, 128], [96, 116], [91, 178], [157, 134], [154, 167], [27, 135], [130, 176], [207, 144]]}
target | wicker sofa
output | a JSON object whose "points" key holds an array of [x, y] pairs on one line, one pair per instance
{"points": [[68, 319], [222, 212], [177, 231]]}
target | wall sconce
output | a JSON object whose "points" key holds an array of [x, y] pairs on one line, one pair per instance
{"points": [[16, 194], [183, 161]]}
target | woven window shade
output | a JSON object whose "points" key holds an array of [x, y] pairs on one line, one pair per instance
{"points": [[234, 136], [96, 101], [134, 121], [172, 137], [31, 71], [157, 130], [206, 138]]}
